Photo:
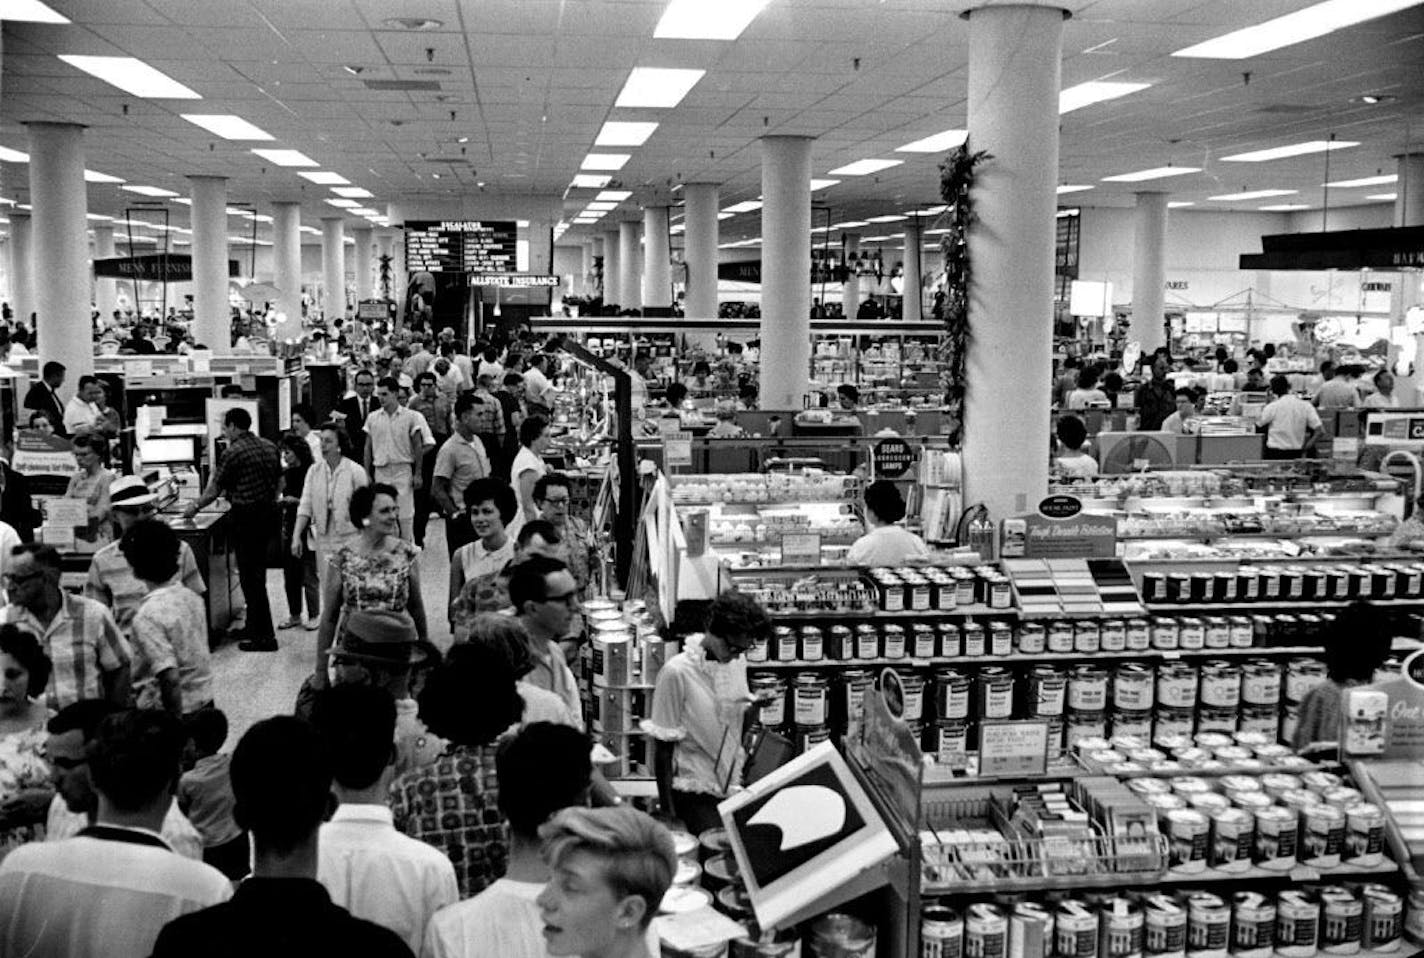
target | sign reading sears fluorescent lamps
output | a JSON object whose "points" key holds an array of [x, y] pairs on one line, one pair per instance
{"points": [[801, 832]]}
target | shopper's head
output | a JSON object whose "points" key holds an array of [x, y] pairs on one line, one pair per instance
{"points": [[365, 383], [24, 668], [1384, 382], [735, 623], [1230, 366], [538, 537], [151, 547], [89, 450], [544, 594], [1186, 402], [53, 374], [135, 760], [1280, 385], [610, 869], [207, 730], [883, 503], [296, 454], [507, 636], [543, 769], [676, 393], [376, 507], [388, 392], [359, 725], [470, 698], [1161, 364], [1088, 377], [281, 783], [304, 418], [1255, 379], [491, 505], [551, 495], [847, 396], [71, 732], [534, 433], [334, 444], [1327, 370], [32, 574], [1071, 433], [236, 422]]}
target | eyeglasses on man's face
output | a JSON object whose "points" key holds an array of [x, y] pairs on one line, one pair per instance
{"points": [[567, 598]]}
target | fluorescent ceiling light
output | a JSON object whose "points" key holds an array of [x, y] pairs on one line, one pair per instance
{"points": [[227, 126], [590, 181], [849, 224], [1156, 173], [1064, 214], [286, 157], [183, 200], [100, 217], [746, 206], [30, 11], [1316, 20], [725, 216], [1285, 207], [595, 206], [657, 87], [865, 167], [352, 192], [624, 133], [132, 76], [8, 155], [310, 229], [1095, 91], [1180, 204], [822, 184], [365, 211], [605, 161], [94, 176], [700, 20], [1384, 180], [889, 218], [616, 196], [324, 178], [927, 211], [148, 190], [1251, 195], [935, 143], [1072, 188], [1383, 197], [1295, 149]]}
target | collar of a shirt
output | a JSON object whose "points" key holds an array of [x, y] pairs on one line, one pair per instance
{"points": [[303, 895], [372, 814]]}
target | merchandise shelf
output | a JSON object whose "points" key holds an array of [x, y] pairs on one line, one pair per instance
{"points": [[1275, 605]]}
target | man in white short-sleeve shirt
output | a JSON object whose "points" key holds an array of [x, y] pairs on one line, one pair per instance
{"points": [[1290, 423]]}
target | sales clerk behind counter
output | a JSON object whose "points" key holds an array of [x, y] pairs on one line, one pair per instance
{"points": [[885, 543]]}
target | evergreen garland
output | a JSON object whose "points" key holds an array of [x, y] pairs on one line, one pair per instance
{"points": [[956, 183]]}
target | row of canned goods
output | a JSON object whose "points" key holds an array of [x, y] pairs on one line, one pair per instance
{"points": [[1288, 583], [1299, 922], [933, 589]]}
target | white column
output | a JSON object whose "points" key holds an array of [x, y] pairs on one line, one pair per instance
{"points": [[657, 269], [64, 332], [106, 290], [1149, 271], [333, 266], [785, 270], [1409, 191], [850, 292], [212, 317], [1014, 71], [384, 241], [22, 266], [287, 267], [700, 249], [361, 263], [914, 307], [583, 286], [630, 285], [612, 290]]}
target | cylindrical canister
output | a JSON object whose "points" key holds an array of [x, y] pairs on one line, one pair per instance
{"points": [[1384, 918], [986, 931], [1208, 925], [612, 658], [941, 932], [1164, 926], [1297, 923], [1276, 838], [1322, 836], [1233, 834], [1260, 683], [1187, 834], [1046, 692], [1076, 929], [1176, 685], [1088, 688], [951, 694], [1220, 685], [1364, 834], [811, 699], [995, 688], [1120, 929], [1133, 687], [1342, 921], [1253, 925]]}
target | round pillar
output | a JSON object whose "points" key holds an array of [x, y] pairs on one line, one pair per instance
{"points": [[630, 285], [287, 267], [1409, 284], [785, 271], [22, 265], [1014, 59], [657, 268], [583, 285], [61, 245], [106, 289], [700, 249], [1149, 271], [333, 267], [612, 292], [914, 304], [361, 262], [850, 290], [212, 317]]}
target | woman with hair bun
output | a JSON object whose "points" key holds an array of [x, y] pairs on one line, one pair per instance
{"points": [[884, 542]]}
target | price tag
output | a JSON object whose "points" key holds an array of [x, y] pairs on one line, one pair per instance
{"points": [[138, 368], [1013, 748], [800, 548], [678, 452], [61, 537], [66, 512]]}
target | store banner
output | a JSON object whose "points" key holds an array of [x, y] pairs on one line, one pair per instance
{"points": [[1059, 530], [46, 458]]}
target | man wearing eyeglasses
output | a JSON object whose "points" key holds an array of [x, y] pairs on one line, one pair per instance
{"points": [[91, 657], [546, 599], [576, 548]]}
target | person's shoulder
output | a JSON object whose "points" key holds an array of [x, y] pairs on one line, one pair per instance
{"points": [[359, 936]]}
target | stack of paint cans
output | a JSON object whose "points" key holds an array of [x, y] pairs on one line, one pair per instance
{"points": [[624, 656]]}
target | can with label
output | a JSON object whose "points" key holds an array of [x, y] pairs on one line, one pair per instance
{"points": [[1297, 923], [1187, 832], [1164, 927], [1088, 688], [949, 742], [785, 645], [926, 641], [1170, 723], [1076, 929], [1166, 633], [1032, 639], [941, 932], [770, 689], [838, 935], [854, 683], [950, 644], [1137, 635], [840, 643], [892, 641], [1191, 634], [1220, 685], [1233, 836], [1242, 633], [1276, 830], [1217, 720], [913, 685], [759, 651], [986, 931], [1120, 929], [1364, 835], [867, 641], [1302, 675], [1046, 691], [1253, 925], [1260, 683], [1001, 638], [1261, 719], [1384, 918], [1208, 925], [807, 737], [1176, 686], [1087, 636], [1342, 797], [810, 699], [951, 694], [613, 658], [813, 644], [975, 642], [1081, 725], [1322, 835], [1217, 632], [1342, 921], [1113, 635], [1060, 635], [1132, 687], [995, 686]]}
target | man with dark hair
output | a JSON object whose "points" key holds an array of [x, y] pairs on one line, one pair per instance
{"points": [[461, 460], [1289, 422], [541, 770], [170, 628], [91, 657], [366, 865], [435, 409], [1155, 400], [545, 599], [110, 889], [354, 409], [43, 396], [553, 495], [82, 412], [248, 474], [281, 779], [395, 448]]}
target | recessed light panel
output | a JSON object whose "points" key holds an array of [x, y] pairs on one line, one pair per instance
{"points": [[1180, 204], [705, 20], [609, 162], [1156, 173], [1383, 180], [324, 178], [596, 206], [1250, 195], [1072, 188], [8, 155], [286, 157], [132, 76], [657, 87], [1316, 20], [889, 218], [30, 11], [344, 204], [149, 191], [227, 126], [590, 181], [1285, 207], [746, 206], [1095, 91], [865, 167], [936, 143], [1295, 149], [624, 133], [822, 184], [616, 196], [352, 192], [1383, 197], [94, 176]]}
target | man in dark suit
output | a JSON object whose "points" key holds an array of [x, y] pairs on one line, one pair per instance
{"points": [[356, 408], [44, 396]]}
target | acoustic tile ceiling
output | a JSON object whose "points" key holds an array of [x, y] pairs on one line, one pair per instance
{"points": [[420, 100]]}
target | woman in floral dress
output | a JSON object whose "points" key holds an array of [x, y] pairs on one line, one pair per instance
{"points": [[25, 789]]}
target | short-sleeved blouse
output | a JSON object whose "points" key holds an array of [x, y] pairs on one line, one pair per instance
{"points": [[22, 766], [379, 581]]}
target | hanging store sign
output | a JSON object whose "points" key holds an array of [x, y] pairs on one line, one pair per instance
{"points": [[1394, 248], [892, 458], [1060, 507], [515, 280], [154, 267], [461, 246]]}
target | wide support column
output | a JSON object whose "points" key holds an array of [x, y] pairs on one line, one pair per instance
{"points": [[914, 308], [785, 270], [657, 269], [1409, 191], [850, 291], [700, 249], [333, 267], [212, 317], [60, 237], [106, 289], [630, 284], [1014, 57], [287, 267], [612, 290], [361, 263], [1409, 284], [583, 286], [1149, 271], [22, 265]]}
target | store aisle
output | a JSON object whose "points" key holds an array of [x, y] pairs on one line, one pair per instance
{"points": [[256, 685]]}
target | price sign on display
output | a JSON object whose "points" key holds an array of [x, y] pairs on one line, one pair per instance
{"points": [[801, 548], [677, 449], [1416, 428], [1013, 748], [893, 458]]}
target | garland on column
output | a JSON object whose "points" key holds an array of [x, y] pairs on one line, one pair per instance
{"points": [[956, 183]]}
